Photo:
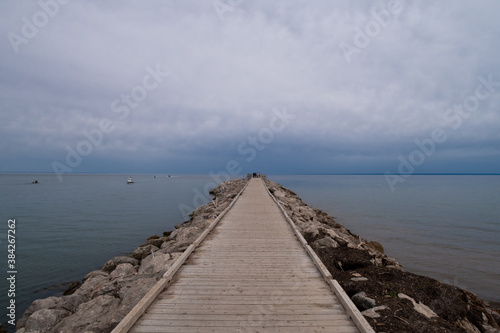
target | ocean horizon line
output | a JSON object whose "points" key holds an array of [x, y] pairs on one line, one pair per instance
{"points": [[242, 174]]}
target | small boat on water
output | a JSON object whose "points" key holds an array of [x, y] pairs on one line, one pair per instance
{"points": [[129, 180]]}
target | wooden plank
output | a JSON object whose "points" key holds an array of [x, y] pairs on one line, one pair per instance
{"points": [[326, 316], [230, 302], [336, 311], [259, 329], [243, 321]]}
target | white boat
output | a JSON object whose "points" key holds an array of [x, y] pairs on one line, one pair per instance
{"points": [[129, 180]]}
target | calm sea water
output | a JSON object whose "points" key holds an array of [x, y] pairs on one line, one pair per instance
{"points": [[447, 227]]}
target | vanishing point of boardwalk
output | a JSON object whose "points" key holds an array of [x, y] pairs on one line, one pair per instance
{"points": [[250, 274]]}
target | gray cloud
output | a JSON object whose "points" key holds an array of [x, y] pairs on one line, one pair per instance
{"points": [[226, 77]]}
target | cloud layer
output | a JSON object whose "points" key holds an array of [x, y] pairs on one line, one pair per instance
{"points": [[363, 81]]}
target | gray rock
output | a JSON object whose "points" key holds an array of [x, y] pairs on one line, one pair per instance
{"points": [[95, 315], [173, 234], [155, 242], [110, 265], [122, 270], [309, 228], [126, 260], [467, 326], [92, 285], [419, 307], [44, 320], [392, 262], [363, 302], [185, 237], [159, 264], [278, 194], [325, 242], [372, 313], [68, 303], [131, 292], [376, 246], [94, 274], [72, 288], [494, 314], [359, 279], [167, 244], [487, 328], [144, 251], [154, 264]]}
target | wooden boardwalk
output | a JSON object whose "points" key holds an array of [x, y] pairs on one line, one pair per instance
{"points": [[250, 274]]}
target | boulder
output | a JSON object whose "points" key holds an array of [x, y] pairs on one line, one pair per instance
{"points": [[122, 270], [72, 288], [159, 264], [279, 194], [69, 303], [144, 251], [95, 274], [92, 286], [110, 265], [359, 279], [132, 291], [419, 307], [467, 326], [376, 246], [185, 237], [486, 325], [167, 244], [363, 302], [372, 313], [325, 242], [310, 229], [155, 242], [95, 315], [155, 264], [494, 314], [44, 320]]}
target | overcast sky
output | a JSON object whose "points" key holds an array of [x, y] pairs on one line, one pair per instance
{"points": [[240, 85]]}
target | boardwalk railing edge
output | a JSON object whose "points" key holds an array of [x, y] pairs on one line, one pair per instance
{"points": [[351, 309], [138, 310]]}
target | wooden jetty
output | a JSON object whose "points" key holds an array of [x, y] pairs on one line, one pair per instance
{"points": [[250, 271]]}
